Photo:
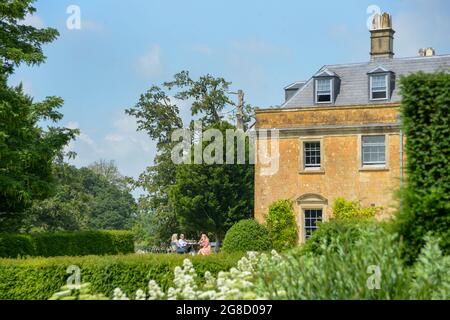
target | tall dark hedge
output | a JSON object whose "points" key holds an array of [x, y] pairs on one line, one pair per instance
{"points": [[425, 113], [66, 244]]}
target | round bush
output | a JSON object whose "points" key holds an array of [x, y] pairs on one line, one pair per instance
{"points": [[247, 235]]}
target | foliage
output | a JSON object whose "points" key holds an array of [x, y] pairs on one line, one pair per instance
{"points": [[281, 225], [431, 273], [371, 268], [210, 198], [81, 292], [348, 231], [23, 43], [426, 198], [27, 150], [66, 244], [158, 114], [247, 235], [343, 209], [39, 278], [84, 199]]}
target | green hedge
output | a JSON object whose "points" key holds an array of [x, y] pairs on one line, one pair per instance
{"points": [[66, 244], [247, 235], [40, 278], [426, 122]]}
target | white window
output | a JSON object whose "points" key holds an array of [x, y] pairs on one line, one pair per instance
{"points": [[312, 154], [324, 90], [312, 216], [374, 150], [379, 87]]}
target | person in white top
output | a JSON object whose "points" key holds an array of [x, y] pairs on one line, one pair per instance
{"points": [[182, 244]]}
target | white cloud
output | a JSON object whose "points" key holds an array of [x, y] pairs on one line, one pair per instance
{"points": [[150, 63], [34, 21]]}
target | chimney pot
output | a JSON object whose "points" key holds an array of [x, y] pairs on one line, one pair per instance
{"points": [[427, 52]]}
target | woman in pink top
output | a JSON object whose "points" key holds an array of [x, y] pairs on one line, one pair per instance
{"points": [[204, 245]]}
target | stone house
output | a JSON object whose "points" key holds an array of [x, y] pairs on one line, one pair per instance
{"points": [[340, 134]]}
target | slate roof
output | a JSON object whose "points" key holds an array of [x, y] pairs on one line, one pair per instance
{"points": [[354, 80]]}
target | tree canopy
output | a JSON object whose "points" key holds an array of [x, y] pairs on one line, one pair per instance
{"points": [[189, 198], [27, 150]]}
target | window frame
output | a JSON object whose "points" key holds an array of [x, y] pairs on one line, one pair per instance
{"points": [[387, 82], [316, 86], [310, 228], [316, 166], [377, 163], [303, 169]]}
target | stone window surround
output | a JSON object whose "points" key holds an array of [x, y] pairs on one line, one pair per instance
{"points": [[309, 201], [384, 167], [312, 170]]}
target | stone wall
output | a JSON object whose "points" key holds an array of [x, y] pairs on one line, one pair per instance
{"points": [[342, 174]]}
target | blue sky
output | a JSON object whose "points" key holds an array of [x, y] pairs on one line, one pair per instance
{"points": [[123, 47]]}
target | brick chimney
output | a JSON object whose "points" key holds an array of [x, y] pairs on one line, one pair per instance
{"points": [[382, 37]]}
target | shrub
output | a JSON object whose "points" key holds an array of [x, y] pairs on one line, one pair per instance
{"points": [[247, 235], [66, 244], [281, 225], [40, 278], [343, 209], [348, 232], [343, 271], [426, 123]]}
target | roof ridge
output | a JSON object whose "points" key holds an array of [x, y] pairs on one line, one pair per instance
{"points": [[386, 60]]}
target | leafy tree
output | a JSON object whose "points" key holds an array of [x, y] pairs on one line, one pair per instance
{"points": [[211, 198], [27, 150], [209, 95], [84, 199], [20, 43], [158, 115]]}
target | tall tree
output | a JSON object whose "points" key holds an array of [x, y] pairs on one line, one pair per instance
{"points": [[210, 198], [158, 115], [83, 199], [209, 95], [27, 150]]}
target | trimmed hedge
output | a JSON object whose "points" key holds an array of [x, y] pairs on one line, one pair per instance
{"points": [[40, 278], [426, 198], [66, 244], [247, 235]]}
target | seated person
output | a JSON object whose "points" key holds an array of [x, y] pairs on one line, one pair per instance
{"points": [[182, 245], [204, 245], [174, 242]]}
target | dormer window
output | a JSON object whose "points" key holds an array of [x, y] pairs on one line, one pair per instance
{"points": [[379, 87], [380, 84], [326, 85], [324, 89]]}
